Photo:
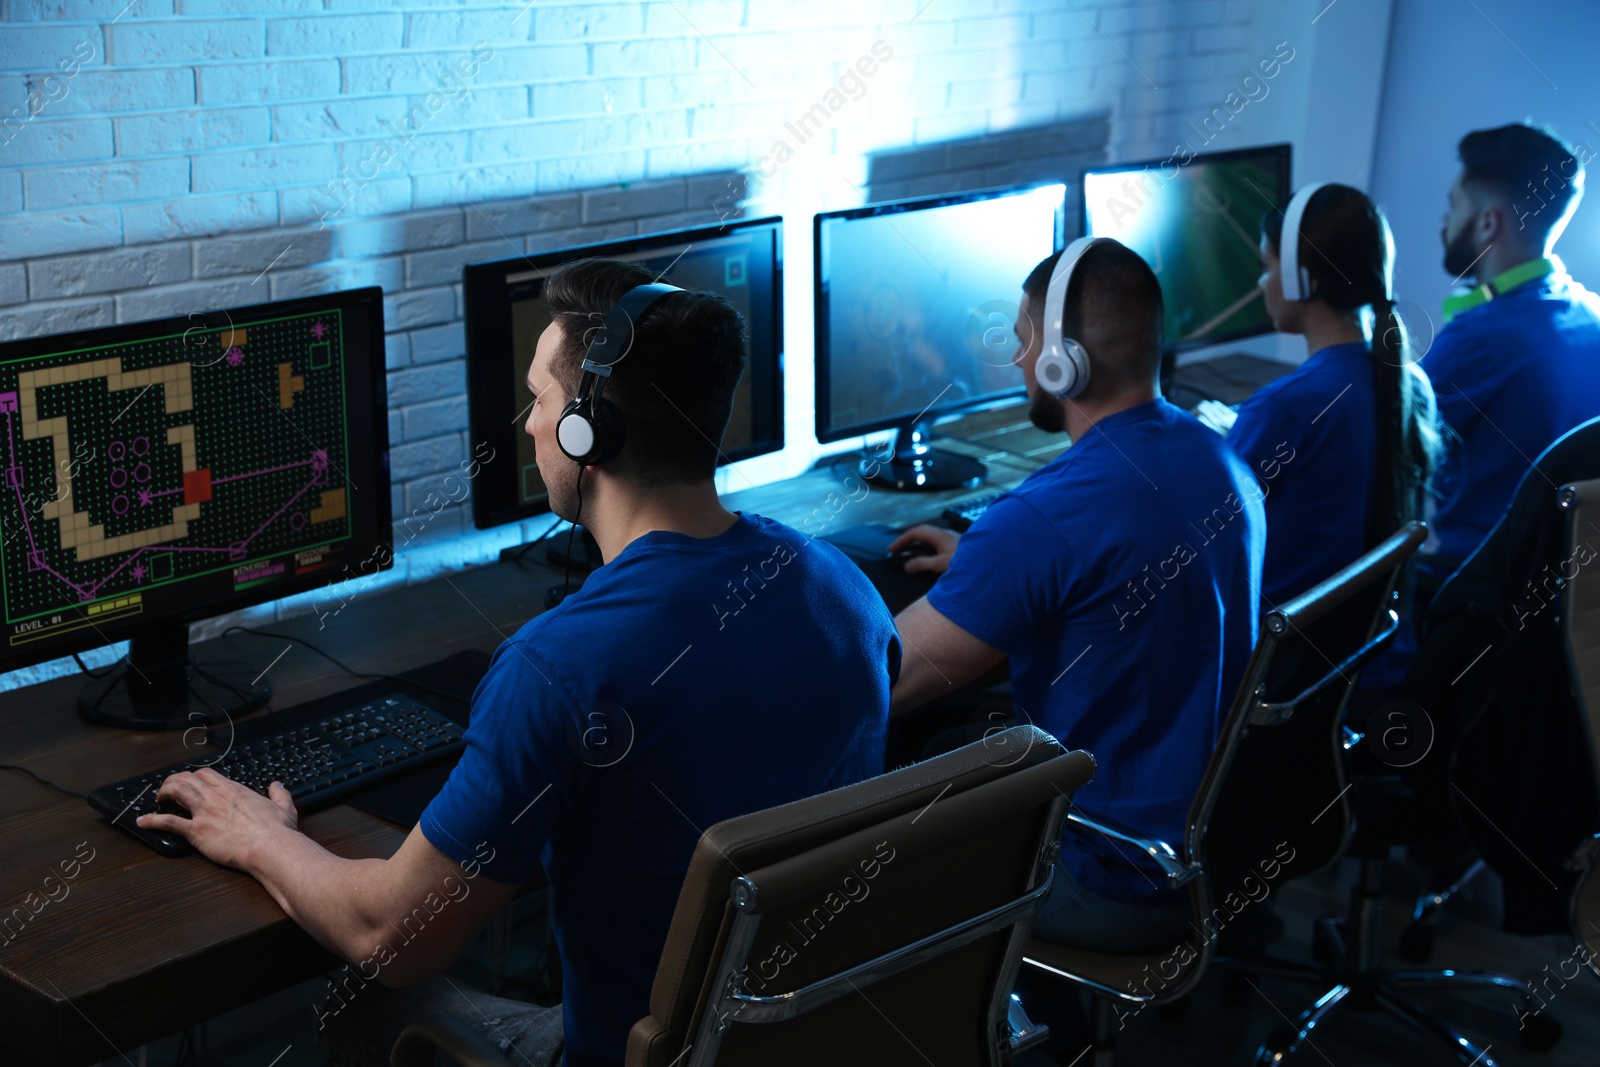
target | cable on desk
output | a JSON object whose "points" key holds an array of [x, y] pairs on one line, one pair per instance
{"points": [[42, 781], [344, 667], [516, 555], [84, 667]]}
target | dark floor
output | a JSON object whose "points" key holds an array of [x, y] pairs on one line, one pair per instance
{"points": [[1213, 1029]]}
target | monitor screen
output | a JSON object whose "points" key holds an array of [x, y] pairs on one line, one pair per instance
{"points": [[167, 471], [1199, 228], [915, 303], [506, 313]]}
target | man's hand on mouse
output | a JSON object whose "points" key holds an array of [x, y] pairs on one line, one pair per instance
{"points": [[227, 818], [943, 542]]}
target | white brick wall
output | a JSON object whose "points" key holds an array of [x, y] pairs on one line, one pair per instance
{"points": [[156, 162]]}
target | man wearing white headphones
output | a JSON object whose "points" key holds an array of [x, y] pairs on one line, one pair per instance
{"points": [[1121, 579]]}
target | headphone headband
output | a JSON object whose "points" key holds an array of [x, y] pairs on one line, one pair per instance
{"points": [[590, 429], [1296, 280], [1063, 366], [606, 348]]}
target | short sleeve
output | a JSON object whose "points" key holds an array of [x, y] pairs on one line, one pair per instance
{"points": [[516, 775], [1010, 572], [1264, 424]]}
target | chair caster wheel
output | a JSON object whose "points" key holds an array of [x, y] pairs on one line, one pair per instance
{"points": [[1540, 1032], [1416, 943], [1327, 941], [1271, 1050]]}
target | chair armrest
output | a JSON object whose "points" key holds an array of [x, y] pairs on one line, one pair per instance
{"points": [[1263, 713], [454, 1038], [1179, 874]]}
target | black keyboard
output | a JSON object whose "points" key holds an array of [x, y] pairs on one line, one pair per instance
{"points": [[320, 762], [961, 516]]}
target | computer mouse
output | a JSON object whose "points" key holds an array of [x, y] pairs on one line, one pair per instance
{"points": [[909, 551]]}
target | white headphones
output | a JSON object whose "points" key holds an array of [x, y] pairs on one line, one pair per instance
{"points": [[1296, 279], [1063, 366]]}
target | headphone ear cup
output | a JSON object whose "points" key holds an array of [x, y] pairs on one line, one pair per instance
{"points": [[575, 431], [610, 431], [598, 425], [590, 432], [1063, 374]]}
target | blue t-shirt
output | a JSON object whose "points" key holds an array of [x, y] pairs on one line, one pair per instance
{"points": [[688, 681], [1311, 439], [1122, 579], [1511, 376]]}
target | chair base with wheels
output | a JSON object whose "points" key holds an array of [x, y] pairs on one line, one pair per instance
{"points": [[1417, 939], [1349, 949]]}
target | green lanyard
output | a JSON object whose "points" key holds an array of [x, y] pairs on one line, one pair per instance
{"points": [[1521, 274]]}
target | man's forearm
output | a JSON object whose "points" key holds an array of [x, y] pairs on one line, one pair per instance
{"points": [[335, 900], [938, 657], [920, 681]]}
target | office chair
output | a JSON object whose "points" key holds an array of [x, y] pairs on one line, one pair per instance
{"points": [[1580, 502], [1271, 805], [848, 928], [1495, 675]]}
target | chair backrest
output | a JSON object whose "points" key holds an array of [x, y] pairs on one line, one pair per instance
{"points": [[1272, 805], [866, 924], [1580, 624], [1580, 571], [1494, 670]]}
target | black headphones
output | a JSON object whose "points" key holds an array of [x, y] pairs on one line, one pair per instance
{"points": [[590, 429]]}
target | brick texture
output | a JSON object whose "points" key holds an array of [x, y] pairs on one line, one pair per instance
{"points": [[207, 153]]}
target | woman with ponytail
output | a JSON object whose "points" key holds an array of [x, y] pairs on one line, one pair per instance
{"points": [[1343, 446]]}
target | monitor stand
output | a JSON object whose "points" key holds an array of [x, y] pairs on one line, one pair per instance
{"points": [[158, 687], [916, 467]]}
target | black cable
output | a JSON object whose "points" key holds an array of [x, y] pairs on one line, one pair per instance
{"points": [[516, 554], [186, 1049], [566, 581], [41, 781], [344, 667], [247, 698], [84, 667]]}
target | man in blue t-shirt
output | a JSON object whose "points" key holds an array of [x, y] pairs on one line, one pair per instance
{"points": [[1122, 580], [1518, 362], [717, 664]]}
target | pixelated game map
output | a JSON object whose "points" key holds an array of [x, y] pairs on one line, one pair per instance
{"points": [[133, 466]]}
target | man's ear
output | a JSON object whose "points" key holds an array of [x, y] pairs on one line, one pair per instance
{"points": [[1491, 221]]}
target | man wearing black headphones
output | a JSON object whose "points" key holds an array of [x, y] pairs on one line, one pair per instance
{"points": [[1120, 580], [719, 663]]}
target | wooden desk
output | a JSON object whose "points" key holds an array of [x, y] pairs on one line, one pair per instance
{"points": [[142, 945], [1002, 438]]}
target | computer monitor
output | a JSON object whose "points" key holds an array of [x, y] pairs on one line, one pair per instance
{"points": [[1198, 225], [506, 313], [915, 305], [159, 473]]}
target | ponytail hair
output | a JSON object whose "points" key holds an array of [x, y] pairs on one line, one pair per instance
{"points": [[1348, 249], [1408, 427]]}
